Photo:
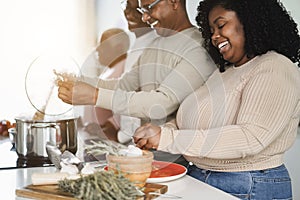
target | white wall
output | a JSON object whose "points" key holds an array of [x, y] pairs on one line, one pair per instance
{"points": [[292, 156], [293, 6], [192, 10], [31, 28]]}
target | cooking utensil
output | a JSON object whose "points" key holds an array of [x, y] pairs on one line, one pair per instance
{"points": [[40, 114], [56, 157], [32, 136], [54, 154], [168, 196]]}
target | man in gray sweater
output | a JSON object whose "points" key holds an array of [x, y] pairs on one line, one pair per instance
{"points": [[171, 67]]}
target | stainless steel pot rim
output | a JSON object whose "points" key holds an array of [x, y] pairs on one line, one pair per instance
{"points": [[27, 120]]}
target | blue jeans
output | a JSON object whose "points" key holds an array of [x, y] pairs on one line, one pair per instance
{"points": [[269, 184]]}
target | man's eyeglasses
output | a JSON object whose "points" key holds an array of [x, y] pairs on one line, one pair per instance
{"points": [[147, 8]]}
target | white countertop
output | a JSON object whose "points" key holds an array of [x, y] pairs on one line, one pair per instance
{"points": [[186, 187]]}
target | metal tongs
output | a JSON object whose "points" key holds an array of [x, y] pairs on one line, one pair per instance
{"points": [[54, 154], [57, 157]]}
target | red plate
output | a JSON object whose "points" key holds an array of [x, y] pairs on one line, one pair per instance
{"points": [[165, 171]]}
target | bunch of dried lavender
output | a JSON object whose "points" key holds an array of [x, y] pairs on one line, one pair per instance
{"points": [[104, 185], [103, 147]]}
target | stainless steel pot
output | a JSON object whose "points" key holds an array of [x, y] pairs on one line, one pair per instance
{"points": [[32, 136]]}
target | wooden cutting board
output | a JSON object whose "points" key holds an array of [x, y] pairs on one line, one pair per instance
{"points": [[52, 192]]}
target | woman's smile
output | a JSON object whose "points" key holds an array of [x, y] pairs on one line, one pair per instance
{"points": [[228, 35], [223, 46]]}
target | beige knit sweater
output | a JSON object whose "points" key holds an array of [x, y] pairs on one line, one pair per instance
{"points": [[168, 70], [242, 119]]}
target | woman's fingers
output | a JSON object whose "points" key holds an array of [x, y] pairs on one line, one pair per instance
{"points": [[139, 134], [147, 136], [141, 143]]}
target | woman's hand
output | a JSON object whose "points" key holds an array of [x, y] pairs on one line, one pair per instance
{"points": [[77, 93], [147, 136]]}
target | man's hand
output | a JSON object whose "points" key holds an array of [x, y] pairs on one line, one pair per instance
{"points": [[77, 93], [147, 136]]}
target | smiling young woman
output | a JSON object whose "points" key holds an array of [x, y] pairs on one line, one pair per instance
{"points": [[236, 128]]}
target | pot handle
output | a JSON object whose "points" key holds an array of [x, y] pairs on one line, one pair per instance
{"points": [[58, 138]]}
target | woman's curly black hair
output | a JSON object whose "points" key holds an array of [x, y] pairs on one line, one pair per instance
{"points": [[267, 26]]}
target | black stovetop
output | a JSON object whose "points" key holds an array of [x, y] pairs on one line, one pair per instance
{"points": [[9, 158]]}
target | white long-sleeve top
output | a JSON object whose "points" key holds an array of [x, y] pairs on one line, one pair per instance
{"points": [[242, 119]]}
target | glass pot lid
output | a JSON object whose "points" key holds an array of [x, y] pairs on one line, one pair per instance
{"points": [[40, 83]]}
